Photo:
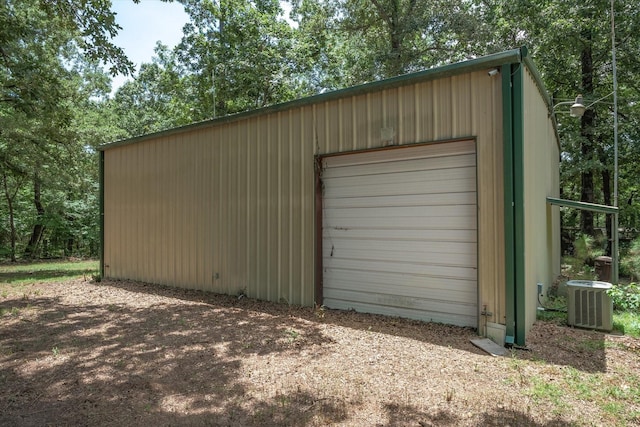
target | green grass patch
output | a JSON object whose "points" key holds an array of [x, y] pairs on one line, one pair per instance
{"points": [[556, 317], [583, 386], [14, 277], [627, 322], [614, 397], [544, 390], [556, 310]]}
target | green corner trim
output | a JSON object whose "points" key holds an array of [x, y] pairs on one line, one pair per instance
{"points": [[507, 122], [101, 196], [517, 92]]}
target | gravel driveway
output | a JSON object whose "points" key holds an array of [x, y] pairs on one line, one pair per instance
{"points": [[125, 353]]}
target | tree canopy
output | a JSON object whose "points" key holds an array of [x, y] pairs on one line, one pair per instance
{"points": [[56, 59]]}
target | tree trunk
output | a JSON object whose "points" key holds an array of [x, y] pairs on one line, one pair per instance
{"points": [[12, 223], [395, 65], [38, 227], [587, 143], [68, 251]]}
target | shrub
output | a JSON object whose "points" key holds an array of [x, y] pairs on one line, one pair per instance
{"points": [[625, 297]]}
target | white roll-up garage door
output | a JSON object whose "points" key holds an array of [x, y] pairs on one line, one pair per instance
{"points": [[400, 232]]}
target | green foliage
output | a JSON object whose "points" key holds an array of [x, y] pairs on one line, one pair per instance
{"points": [[625, 297], [350, 41], [585, 248], [580, 263], [159, 97], [556, 310], [238, 56], [50, 122], [630, 262], [627, 322]]}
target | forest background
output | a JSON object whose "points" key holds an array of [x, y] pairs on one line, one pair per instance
{"points": [[57, 60]]}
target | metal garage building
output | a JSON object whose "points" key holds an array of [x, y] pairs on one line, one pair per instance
{"points": [[422, 196]]}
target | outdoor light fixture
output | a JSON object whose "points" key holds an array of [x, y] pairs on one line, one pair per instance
{"points": [[578, 108]]}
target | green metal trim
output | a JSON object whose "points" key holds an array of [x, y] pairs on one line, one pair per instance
{"points": [[517, 93], [615, 254], [101, 197], [495, 60], [507, 136], [593, 207]]}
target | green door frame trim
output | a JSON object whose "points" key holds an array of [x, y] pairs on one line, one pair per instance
{"points": [[513, 151], [509, 202], [517, 75], [101, 197]]}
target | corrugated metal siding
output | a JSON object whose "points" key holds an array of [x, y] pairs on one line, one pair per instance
{"points": [[541, 179], [226, 209], [226, 199]]}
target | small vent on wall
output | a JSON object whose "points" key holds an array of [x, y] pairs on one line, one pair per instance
{"points": [[589, 305]]}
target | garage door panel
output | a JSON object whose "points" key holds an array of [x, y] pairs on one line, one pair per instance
{"points": [[415, 302], [432, 271], [395, 200], [404, 284], [419, 223], [385, 189], [378, 249], [414, 165], [426, 179], [399, 212], [381, 256], [400, 235], [427, 312]]}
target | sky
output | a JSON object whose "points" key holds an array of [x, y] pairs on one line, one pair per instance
{"points": [[143, 24], [147, 22]]}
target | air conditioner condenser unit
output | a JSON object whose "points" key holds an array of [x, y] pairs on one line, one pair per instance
{"points": [[589, 305]]}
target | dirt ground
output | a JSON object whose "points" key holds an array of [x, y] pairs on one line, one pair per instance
{"points": [[124, 353]]}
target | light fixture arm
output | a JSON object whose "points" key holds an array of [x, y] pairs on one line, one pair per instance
{"points": [[577, 107], [563, 103]]}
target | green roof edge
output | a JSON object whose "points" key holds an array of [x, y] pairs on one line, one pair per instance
{"points": [[493, 60]]}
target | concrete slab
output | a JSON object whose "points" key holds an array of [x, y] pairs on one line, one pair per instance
{"points": [[489, 346]]}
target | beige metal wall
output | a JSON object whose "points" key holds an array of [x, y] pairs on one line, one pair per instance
{"points": [[224, 209], [541, 179], [231, 207]]}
